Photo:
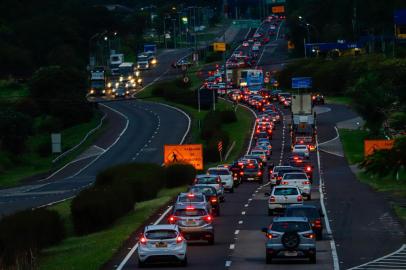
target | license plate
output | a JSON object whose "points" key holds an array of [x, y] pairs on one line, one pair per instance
{"points": [[290, 253], [250, 178], [161, 245], [190, 222]]}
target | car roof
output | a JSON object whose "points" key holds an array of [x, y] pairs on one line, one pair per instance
{"points": [[187, 193], [161, 227], [290, 219], [284, 186], [312, 206], [182, 206]]}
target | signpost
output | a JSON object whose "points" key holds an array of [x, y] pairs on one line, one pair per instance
{"points": [[219, 46], [301, 82], [56, 142], [220, 148], [370, 146], [186, 153], [278, 9]]}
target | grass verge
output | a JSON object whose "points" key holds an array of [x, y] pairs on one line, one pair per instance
{"points": [[353, 144], [341, 100], [32, 163], [93, 250]]}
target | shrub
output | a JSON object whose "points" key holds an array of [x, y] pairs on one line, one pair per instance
{"points": [[228, 116], [211, 124], [44, 149], [179, 174], [97, 208], [24, 233]]}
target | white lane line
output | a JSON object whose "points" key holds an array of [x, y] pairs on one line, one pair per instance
{"points": [[134, 248], [250, 199], [110, 146], [335, 138], [240, 222], [368, 265], [237, 232], [334, 254], [232, 246], [187, 116], [243, 213], [228, 263], [246, 205]]}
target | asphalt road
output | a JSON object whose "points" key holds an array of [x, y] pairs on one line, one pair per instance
{"points": [[137, 131]]}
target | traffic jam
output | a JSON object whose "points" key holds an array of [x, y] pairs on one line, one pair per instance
{"points": [[280, 169]]}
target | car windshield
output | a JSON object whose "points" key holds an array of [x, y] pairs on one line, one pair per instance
{"points": [[207, 180], [301, 147], [278, 168], [191, 198], [218, 172], [161, 234], [294, 176], [302, 212], [205, 190], [285, 191], [192, 212], [290, 226], [257, 153]]}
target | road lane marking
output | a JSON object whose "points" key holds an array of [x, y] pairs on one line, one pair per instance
{"points": [[243, 213], [240, 222], [228, 263], [394, 260], [237, 232], [232, 246], [246, 205]]}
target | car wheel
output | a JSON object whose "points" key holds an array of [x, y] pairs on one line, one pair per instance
{"points": [[184, 262], [141, 264], [312, 258], [232, 190], [268, 258], [211, 240], [270, 212]]}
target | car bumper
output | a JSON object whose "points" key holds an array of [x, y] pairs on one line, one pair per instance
{"points": [[281, 206], [162, 255], [282, 252], [252, 178]]}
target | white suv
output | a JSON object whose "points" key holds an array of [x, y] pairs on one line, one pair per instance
{"points": [[161, 243], [282, 196], [225, 175], [299, 180]]}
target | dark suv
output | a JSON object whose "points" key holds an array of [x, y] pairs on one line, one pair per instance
{"points": [[252, 172], [313, 214]]}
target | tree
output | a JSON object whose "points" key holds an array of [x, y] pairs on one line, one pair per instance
{"points": [[372, 99], [15, 128], [388, 161]]}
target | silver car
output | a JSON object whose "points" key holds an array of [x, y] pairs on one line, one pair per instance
{"points": [[211, 180], [193, 198], [162, 243], [289, 237], [194, 221]]}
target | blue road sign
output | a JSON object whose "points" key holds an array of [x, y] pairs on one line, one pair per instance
{"points": [[301, 82]]}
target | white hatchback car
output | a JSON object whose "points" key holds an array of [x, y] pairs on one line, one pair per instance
{"points": [[301, 148], [162, 243], [225, 175], [300, 180]]}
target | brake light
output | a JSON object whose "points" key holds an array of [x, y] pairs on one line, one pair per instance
{"points": [[299, 198], [272, 199], [308, 168], [279, 177], [190, 208], [301, 141], [241, 173], [270, 171], [213, 200], [172, 219], [306, 183], [208, 218], [179, 239], [295, 158], [259, 173], [317, 223], [143, 240], [285, 183], [191, 195], [310, 235]]}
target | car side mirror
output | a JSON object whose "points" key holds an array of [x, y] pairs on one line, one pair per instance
{"points": [[264, 230], [267, 194]]}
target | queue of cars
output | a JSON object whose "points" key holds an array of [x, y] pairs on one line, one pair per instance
{"points": [[192, 216]]}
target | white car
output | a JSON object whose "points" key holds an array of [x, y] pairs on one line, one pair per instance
{"points": [[299, 180], [162, 242], [260, 153], [274, 173], [225, 175], [282, 196], [301, 148], [211, 180]]}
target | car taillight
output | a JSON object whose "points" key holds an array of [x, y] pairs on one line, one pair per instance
{"points": [[279, 177], [270, 171], [241, 173], [308, 168], [269, 131], [317, 223], [299, 198], [172, 219], [259, 173], [272, 199], [310, 235], [179, 239], [143, 240], [284, 183], [271, 236], [306, 183], [208, 219], [213, 200], [301, 142]]}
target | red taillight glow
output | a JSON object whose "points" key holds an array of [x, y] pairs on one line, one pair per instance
{"points": [[295, 158], [306, 183], [301, 141], [172, 219], [143, 241], [213, 200], [310, 235], [317, 223], [284, 183], [190, 208], [208, 218], [179, 239], [299, 198], [191, 195], [270, 171], [241, 173], [272, 199], [259, 173], [308, 168]]}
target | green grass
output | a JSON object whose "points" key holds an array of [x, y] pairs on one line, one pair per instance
{"points": [[353, 144], [338, 100], [400, 212], [93, 250], [386, 183], [31, 163], [11, 93]]}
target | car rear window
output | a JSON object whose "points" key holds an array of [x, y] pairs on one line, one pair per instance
{"points": [[302, 212], [257, 153], [161, 234], [207, 180], [285, 191], [290, 226], [295, 176], [190, 212], [194, 198], [218, 172], [204, 190], [277, 169]]}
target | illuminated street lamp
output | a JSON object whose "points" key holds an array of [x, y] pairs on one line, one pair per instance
{"points": [[184, 20]]}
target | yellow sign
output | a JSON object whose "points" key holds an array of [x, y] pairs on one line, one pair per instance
{"points": [[291, 45], [278, 9], [219, 46], [371, 145], [186, 153]]}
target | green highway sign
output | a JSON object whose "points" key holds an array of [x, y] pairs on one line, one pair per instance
{"points": [[247, 23]]}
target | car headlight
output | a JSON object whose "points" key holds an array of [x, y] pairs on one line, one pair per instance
{"points": [[138, 66], [91, 91], [121, 79], [130, 77], [104, 91], [146, 65], [127, 92], [117, 84], [139, 80], [134, 84], [132, 81], [137, 73], [154, 61], [114, 90]]}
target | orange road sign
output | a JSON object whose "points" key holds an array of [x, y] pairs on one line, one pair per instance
{"points": [[185, 153], [371, 145], [219, 47], [278, 9]]}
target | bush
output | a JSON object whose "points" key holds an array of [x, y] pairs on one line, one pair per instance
{"points": [[97, 208], [179, 174], [24, 233], [44, 149], [228, 116], [211, 124]]}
